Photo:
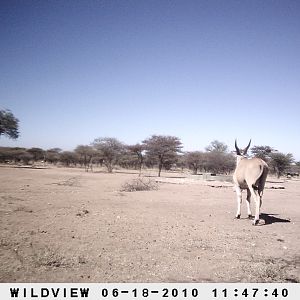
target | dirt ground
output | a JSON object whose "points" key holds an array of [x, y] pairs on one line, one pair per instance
{"points": [[66, 225]]}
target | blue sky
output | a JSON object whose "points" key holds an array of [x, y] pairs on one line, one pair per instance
{"points": [[73, 71]]}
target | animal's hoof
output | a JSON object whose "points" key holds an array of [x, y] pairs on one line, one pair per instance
{"points": [[250, 217], [255, 222], [238, 217]]}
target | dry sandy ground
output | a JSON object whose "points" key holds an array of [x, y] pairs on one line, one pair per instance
{"points": [[65, 225]]}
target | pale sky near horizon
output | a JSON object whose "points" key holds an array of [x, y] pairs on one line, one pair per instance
{"points": [[73, 71]]}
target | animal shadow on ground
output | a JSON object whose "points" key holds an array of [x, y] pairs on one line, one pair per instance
{"points": [[270, 219]]}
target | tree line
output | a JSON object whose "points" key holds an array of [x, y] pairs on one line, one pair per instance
{"points": [[163, 152], [158, 151]]}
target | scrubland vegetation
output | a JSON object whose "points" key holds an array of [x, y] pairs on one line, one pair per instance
{"points": [[162, 152]]}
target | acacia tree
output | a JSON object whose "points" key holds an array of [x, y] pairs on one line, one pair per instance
{"points": [[12, 154], [263, 152], [163, 148], [53, 155], [138, 150], [85, 153], [218, 159], [219, 162], [110, 149], [278, 161], [281, 162], [9, 124], [26, 157], [68, 158], [195, 160], [217, 146], [37, 153]]}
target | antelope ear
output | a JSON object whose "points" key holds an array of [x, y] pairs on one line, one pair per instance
{"points": [[238, 152], [246, 149]]}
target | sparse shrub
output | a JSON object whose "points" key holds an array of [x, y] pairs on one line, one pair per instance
{"points": [[139, 184]]}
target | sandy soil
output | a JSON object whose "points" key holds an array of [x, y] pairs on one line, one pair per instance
{"points": [[65, 225]]}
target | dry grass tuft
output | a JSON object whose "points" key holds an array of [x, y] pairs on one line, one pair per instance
{"points": [[139, 184], [273, 270]]}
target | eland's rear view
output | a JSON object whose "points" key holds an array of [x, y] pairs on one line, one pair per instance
{"points": [[249, 174]]}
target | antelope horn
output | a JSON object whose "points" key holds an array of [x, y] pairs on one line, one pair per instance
{"points": [[246, 149], [238, 152]]}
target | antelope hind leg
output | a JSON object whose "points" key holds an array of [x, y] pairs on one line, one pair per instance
{"points": [[239, 202]]}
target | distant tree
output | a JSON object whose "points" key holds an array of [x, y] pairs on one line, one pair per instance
{"points": [[219, 162], [56, 150], [181, 161], [111, 151], [9, 124], [163, 148], [37, 153], [216, 146], [26, 157], [86, 153], [218, 158], [297, 167], [229, 163], [171, 161], [150, 161], [68, 158], [195, 160], [98, 159], [53, 155], [263, 152], [138, 150], [127, 160], [280, 162], [5, 155], [11, 154]]}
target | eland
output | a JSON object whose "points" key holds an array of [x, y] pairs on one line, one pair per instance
{"points": [[249, 174]]}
